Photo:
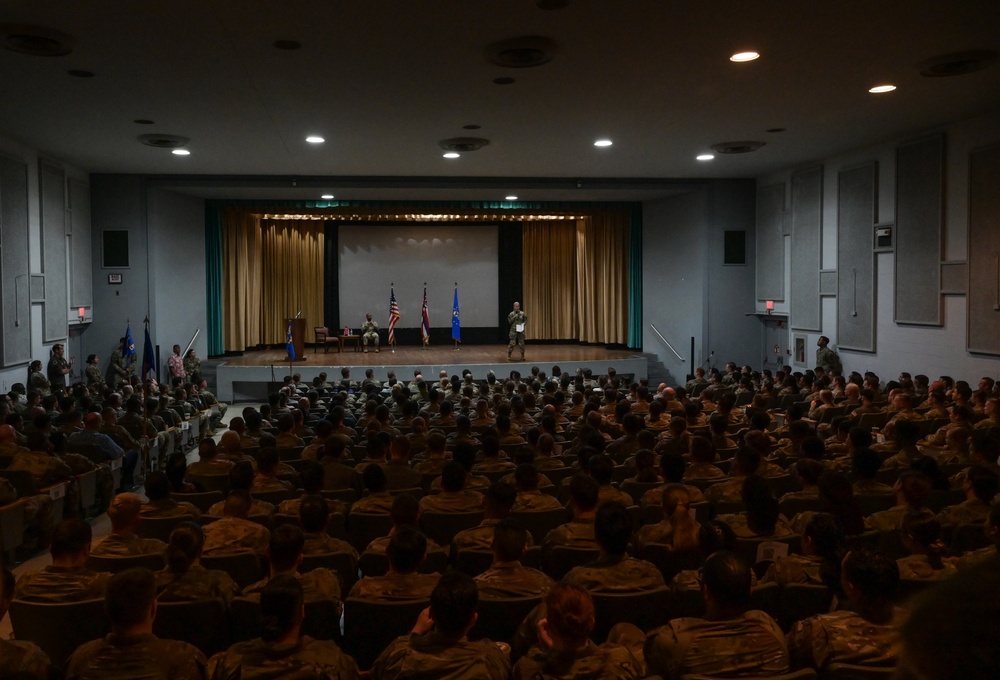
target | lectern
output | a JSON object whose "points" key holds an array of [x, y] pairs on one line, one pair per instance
{"points": [[298, 337]]}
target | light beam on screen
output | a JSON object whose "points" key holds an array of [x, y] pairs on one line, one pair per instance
{"points": [[371, 256]]}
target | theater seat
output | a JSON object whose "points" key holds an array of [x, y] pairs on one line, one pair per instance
{"points": [[210, 634], [370, 625], [59, 628]]}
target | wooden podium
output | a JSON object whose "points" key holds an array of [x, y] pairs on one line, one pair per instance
{"points": [[298, 337]]}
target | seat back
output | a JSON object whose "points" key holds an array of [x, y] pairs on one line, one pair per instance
{"points": [[872, 503], [243, 567], [789, 507], [210, 635], [201, 500], [540, 522], [670, 562], [363, 528], [211, 482], [802, 600], [370, 625], [473, 562], [160, 527], [499, 617], [967, 537], [637, 489], [749, 548], [441, 527], [646, 610], [346, 495], [114, 563], [273, 497], [845, 671], [342, 564], [561, 559], [59, 628]]}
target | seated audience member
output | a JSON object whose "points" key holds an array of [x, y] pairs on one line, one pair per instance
{"points": [[285, 438], [454, 497], [507, 577], [405, 552], [953, 631], [922, 537], [614, 571], [491, 458], [579, 532], [434, 458], [864, 632], [745, 463], [678, 529], [314, 517], [338, 468], [672, 468], [602, 469], [992, 529], [184, 579], [761, 519], [981, 486], [808, 470], [160, 504], [398, 473], [702, 458], [281, 650], [311, 482], [565, 650], [19, 658], [836, 497], [865, 464], [67, 579], [712, 537], [645, 468], [241, 478], [235, 533], [125, 517], [545, 454], [284, 555], [497, 504], [731, 640], [209, 463], [131, 651], [912, 490], [529, 498], [819, 564], [378, 501], [405, 511], [438, 646]]}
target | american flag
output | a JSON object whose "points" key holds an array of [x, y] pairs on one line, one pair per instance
{"points": [[425, 322], [393, 315]]}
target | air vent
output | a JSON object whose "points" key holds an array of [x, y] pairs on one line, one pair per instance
{"points": [[957, 63], [164, 141], [736, 147], [526, 52], [463, 144], [36, 41]]}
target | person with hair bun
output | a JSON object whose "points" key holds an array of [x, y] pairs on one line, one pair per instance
{"points": [[184, 579], [565, 650], [282, 650], [922, 537]]}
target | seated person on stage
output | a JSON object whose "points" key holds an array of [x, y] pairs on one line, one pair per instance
{"points": [[314, 517], [67, 579], [369, 333], [184, 579], [406, 550], [160, 504], [438, 646], [208, 462], [311, 477], [454, 497], [507, 577], [497, 504], [578, 533], [731, 640], [234, 533], [678, 529], [122, 541], [284, 554], [241, 479], [19, 658], [405, 511], [131, 650], [378, 501], [529, 498], [865, 632], [822, 548], [282, 650], [565, 651]]}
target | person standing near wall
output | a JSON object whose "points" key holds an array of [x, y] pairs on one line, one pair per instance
{"points": [[826, 358]]}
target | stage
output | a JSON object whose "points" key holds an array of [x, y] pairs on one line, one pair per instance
{"points": [[248, 377]]}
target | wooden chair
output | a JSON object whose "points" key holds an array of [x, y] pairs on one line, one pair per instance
{"points": [[59, 628], [646, 609], [202, 500], [210, 633], [499, 617], [160, 527], [370, 625], [113, 563], [441, 527], [325, 338]]}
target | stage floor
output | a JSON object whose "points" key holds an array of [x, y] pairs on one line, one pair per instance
{"points": [[249, 377]]}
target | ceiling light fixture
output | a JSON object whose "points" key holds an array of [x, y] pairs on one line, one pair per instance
{"points": [[80, 73], [741, 57], [510, 198], [143, 121], [880, 89], [705, 157], [603, 142], [181, 152], [326, 197], [451, 154], [315, 139]]}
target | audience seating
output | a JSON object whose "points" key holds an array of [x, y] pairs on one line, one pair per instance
{"points": [[273, 497], [114, 564], [473, 562], [647, 610], [341, 563], [671, 562], [346, 495], [844, 671], [59, 628], [160, 527], [202, 623], [561, 559], [244, 567], [363, 528], [499, 617], [540, 522], [370, 625], [441, 527], [211, 482], [802, 600], [202, 500]]}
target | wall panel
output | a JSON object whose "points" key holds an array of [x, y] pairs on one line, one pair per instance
{"points": [[856, 216], [81, 253], [770, 243], [15, 336], [52, 195], [984, 251], [807, 256]]}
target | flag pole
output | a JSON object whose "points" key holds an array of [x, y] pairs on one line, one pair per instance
{"points": [[144, 442], [456, 347], [425, 339]]}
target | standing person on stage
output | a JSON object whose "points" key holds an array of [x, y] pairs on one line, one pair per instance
{"points": [[192, 367], [517, 320], [826, 358], [118, 366], [369, 333], [58, 369], [176, 365]]}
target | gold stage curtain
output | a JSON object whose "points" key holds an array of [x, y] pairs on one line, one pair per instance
{"points": [[550, 278], [576, 278], [271, 270]]}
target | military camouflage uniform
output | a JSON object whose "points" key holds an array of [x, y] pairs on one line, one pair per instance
{"points": [[168, 507], [741, 527], [608, 661], [972, 511], [534, 501], [513, 319], [374, 504], [118, 368], [616, 575], [610, 493], [379, 545], [654, 497], [369, 334], [919, 567], [93, 374], [576, 534], [197, 583], [318, 585], [970, 559], [304, 658], [512, 579], [395, 586], [22, 657], [795, 569], [436, 655], [61, 584], [192, 367], [233, 535], [662, 532], [56, 376], [465, 500], [752, 645], [843, 637], [703, 471], [258, 508], [118, 545], [118, 658], [478, 537]]}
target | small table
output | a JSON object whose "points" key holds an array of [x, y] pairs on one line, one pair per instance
{"points": [[356, 339]]}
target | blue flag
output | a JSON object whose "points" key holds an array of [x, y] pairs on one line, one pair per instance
{"points": [[289, 345], [148, 360], [128, 347], [456, 324]]}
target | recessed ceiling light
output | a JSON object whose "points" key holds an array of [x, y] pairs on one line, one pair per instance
{"points": [[451, 154], [744, 56], [471, 126], [603, 142], [510, 198], [80, 73], [503, 81], [287, 44], [776, 129], [315, 139], [705, 157], [326, 197], [181, 152], [879, 89], [142, 121]]}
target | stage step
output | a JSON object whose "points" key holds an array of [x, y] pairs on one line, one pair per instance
{"points": [[658, 373]]}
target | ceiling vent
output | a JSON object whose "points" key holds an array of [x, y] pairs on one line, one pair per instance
{"points": [[36, 41], [956, 63], [526, 52], [463, 144], [736, 147], [164, 141]]}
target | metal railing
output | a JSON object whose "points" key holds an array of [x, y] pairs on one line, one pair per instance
{"points": [[669, 346]]}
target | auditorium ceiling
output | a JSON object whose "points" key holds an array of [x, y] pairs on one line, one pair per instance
{"points": [[385, 81]]}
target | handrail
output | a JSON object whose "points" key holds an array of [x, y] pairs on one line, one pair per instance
{"points": [[679, 357]]}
